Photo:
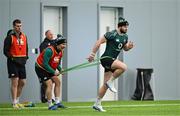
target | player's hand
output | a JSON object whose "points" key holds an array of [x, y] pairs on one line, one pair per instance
{"points": [[130, 45], [61, 72], [56, 73], [91, 57]]}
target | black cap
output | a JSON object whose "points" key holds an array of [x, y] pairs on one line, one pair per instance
{"points": [[60, 39], [122, 22], [59, 36]]}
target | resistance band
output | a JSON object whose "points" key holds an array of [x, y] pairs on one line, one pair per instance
{"points": [[84, 65]]}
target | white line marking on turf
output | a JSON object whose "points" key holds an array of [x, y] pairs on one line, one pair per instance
{"points": [[110, 106], [116, 106]]}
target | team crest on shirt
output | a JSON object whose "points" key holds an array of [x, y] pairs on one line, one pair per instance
{"points": [[20, 42], [117, 40], [56, 59]]}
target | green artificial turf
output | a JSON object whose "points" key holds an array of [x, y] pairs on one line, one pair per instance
{"points": [[114, 108]]}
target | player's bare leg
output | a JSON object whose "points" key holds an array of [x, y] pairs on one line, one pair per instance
{"points": [[57, 92], [49, 90], [49, 85], [14, 86], [102, 91], [119, 67], [57, 82], [21, 83]]}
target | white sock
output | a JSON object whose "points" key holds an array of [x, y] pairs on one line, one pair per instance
{"points": [[50, 103], [57, 100], [98, 101], [14, 101], [17, 99]]}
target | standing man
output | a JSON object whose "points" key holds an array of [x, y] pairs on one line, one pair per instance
{"points": [[16, 51], [49, 40], [48, 69], [116, 40]]}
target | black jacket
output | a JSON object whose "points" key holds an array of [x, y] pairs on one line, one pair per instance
{"points": [[45, 44], [7, 46]]}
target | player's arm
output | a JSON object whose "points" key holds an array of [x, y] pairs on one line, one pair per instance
{"points": [[59, 68], [47, 56], [129, 45], [7, 46], [98, 43], [27, 54]]}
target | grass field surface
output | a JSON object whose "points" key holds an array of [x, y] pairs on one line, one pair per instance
{"points": [[114, 108]]}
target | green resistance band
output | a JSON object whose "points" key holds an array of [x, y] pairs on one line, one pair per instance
{"points": [[84, 65]]}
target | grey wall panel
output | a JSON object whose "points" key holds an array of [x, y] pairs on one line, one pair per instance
{"points": [[155, 43], [154, 28], [112, 3], [178, 47], [55, 2], [4, 26], [82, 34], [164, 49], [29, 12], [140, 33]]}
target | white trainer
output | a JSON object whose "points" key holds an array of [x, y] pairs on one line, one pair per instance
{"points": [[98, 108], [110, 85]]}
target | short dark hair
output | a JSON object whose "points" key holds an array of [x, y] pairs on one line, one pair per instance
{"points": [[16, 21], [125, 23], [47, 32], [122, 22]]}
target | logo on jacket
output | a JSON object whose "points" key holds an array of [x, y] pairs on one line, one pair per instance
{"points": [[20, 42], [56, 59]]}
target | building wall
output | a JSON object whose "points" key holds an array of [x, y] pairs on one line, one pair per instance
{"points": [[153, 28], [164, 45], [4, 23], [178, 47], [82, 33]]}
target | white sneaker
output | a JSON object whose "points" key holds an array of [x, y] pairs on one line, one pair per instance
{"points": [[98, 108], [110, 85]]}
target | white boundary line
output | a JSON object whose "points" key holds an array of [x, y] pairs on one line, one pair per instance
{"points": [[106, 106]]}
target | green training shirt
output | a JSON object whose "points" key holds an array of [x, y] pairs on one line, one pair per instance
{"points": [[115, 43]]}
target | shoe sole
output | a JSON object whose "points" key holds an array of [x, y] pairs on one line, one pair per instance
{"points": [[110, 88], [61, 106], [53, 108], [97, 109]]}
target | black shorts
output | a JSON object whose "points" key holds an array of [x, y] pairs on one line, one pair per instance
{"points": [[42, 74], [16, 70], [106, 63]]}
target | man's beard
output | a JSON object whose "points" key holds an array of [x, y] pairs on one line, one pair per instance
{"points": [[122, 31]]}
